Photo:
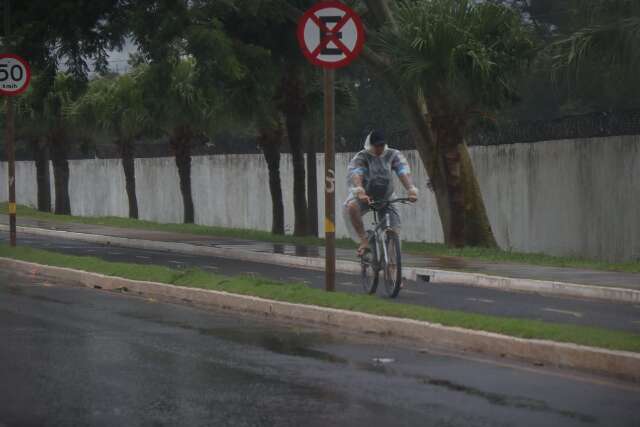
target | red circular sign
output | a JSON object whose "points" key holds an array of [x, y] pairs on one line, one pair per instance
{"points": [[15, 74], [330, 34]]}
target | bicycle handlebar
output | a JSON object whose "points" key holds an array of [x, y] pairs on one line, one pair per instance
{"points": [[377, 204]]}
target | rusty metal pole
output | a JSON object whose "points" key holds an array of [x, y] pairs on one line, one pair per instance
{"points": [[9, 141], [329, 184]]}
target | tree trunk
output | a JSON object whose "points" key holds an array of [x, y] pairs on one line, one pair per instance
{"points": [[447, 162], [128, 154], [58, 146], [294, 109], [449, 138], [312, 185], [181, 145], [478, 230], [270, 141], [40, 150]]}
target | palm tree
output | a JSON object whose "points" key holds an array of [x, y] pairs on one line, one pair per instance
{"points": [[116, 105], [31, 126], [181, 107], [63, 92], [449, 61], [249, 99], [605, 41]]}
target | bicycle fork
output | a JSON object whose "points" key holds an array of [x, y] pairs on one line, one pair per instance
{"points": [[382, 237]]}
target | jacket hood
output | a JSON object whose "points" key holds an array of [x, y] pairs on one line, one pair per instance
{"points": [[367, 143]]}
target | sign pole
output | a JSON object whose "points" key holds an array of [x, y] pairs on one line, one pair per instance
{"points": [[10, 143], [10, 153], [330, 35], [329, 173]]}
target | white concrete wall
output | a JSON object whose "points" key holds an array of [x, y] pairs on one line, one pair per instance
{"points": [[97, 188], [579, 197], [26, 193], [158, 190]]}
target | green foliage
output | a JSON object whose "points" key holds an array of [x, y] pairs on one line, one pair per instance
{"points": [[114, 104], [464, 53], [69, 32], [599, 51]]}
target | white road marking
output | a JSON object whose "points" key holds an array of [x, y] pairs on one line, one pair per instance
{"points": [[349, 284], [143, 257], [569, 313], [409, 291], [484, 300], [114, 253], [298, 279], [211, 267], [176, 262]]}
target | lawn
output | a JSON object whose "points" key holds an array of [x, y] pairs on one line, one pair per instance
{"points": [[432, 249], [303, 294]]}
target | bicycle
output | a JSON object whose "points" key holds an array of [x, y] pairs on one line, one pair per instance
{"points": [[383, 253]]}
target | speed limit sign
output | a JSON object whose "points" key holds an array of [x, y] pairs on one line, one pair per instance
{"points": [[14, 74]]}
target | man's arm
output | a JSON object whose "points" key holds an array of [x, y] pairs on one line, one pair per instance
{"points": [[357, 168], [401, 166]]}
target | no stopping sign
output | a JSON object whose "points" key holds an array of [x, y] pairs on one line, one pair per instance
{"points": [[14, 74], [330, 34]]}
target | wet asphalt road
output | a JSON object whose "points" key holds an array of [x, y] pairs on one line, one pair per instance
{"points": [[609, 315], [79, 356]]}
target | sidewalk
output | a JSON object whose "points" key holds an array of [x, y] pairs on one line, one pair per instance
{"points": [[507, 270]]}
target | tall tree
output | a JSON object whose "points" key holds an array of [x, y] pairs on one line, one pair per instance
{"points": [[66, 89], [189, 56], [462, 57], [72, 33], [32, 127], [261, 23], [116, 105]]}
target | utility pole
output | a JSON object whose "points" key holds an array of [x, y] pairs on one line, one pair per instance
{"points": [[9, 136]]}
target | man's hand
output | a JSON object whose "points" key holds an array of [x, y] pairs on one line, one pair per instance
{"points": [[361, 194], [412, 194]]}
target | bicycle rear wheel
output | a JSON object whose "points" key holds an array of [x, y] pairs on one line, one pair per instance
{"points": [[393, 268], [369, 269]]}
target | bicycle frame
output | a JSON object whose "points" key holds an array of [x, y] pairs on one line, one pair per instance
{"points": [[379, 230], [381, 236]]}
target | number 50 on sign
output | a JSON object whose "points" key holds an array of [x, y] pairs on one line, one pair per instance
{"points": [[14, 74]]}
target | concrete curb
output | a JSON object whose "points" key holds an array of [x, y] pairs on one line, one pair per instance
{"points": [[543, 287], [620, 364]]}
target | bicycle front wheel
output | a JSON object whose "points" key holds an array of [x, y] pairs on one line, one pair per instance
{"points": [[369, 269], [393, 267]]}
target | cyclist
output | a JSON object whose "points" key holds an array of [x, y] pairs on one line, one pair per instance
{"points": [[370, 178]]}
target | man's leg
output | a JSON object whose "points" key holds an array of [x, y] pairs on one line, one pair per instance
{"points": [[355, 215]]}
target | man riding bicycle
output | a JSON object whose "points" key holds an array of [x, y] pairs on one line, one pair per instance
{"points": [[370, 179]]}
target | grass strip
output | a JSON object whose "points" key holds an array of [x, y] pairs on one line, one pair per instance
{"points": [[303, 294], [419, 248]]}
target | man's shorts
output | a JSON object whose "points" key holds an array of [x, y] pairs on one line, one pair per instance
{"points": [[394, 218]]}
